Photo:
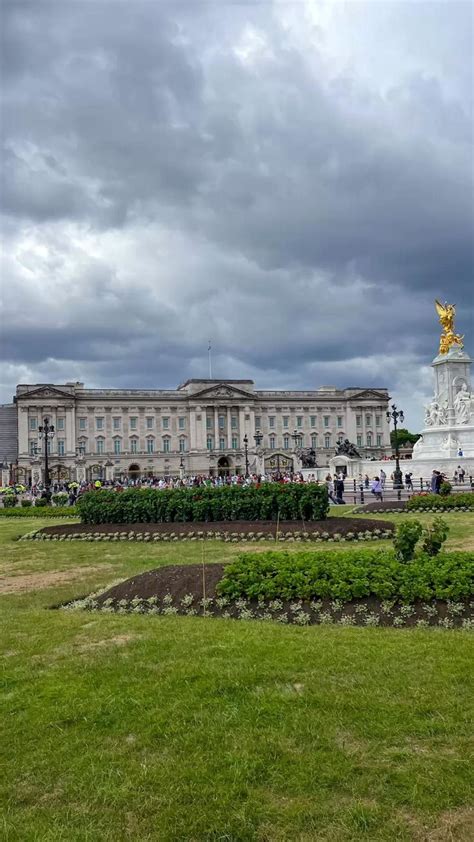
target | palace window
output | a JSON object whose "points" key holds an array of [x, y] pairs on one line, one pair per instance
{"points": [[81, 447], [314, 441], [339, 420], [133, 445], [133, 422], [378, 420], [326, 420], [82, 423], [221, 422], [235, 442], [33, 423], [340, 438], [150, 444], [299, 420], [258, 421], [208, 423], [209, 442], [182, 444], [286, 442], [369, 439], [149, 422], [313, 420], [166, 444], [359, 440], [358, 420], [117, 446], [60, 424], [33, 447], [272, 442], [379, 439], [99, 445], [181, 423], [327, 441], [233, 422], [61, 447], [99, 423], [368, 420], [271, 420], [116, 422], [286, 420], [222, 443]]}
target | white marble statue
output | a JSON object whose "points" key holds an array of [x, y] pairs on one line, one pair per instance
{"points": [[462, 405], [443, 414]]}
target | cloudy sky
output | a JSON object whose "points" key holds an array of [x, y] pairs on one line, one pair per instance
{"points": [[291, 180]]}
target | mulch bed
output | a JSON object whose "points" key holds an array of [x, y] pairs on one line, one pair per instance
{"points": [[163, 590], [382, 506], [332, 526]]}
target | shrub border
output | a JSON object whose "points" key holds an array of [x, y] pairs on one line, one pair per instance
{"points": [[293, 536]]}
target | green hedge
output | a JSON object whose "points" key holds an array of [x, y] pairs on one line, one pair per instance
{"points": [[348, 575], [436, 501], [50, 511], [292, 501]]}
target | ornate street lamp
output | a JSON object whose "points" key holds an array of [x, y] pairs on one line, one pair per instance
{"points": [[396, 415], [246, 452], [46, 433], [181, 467]]}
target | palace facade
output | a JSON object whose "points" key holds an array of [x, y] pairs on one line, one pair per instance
{"points": [[199, 428]]}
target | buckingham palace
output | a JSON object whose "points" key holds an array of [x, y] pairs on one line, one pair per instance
{"points": [[201, 427]]}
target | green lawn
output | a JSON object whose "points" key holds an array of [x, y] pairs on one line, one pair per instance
{"points": [[175, 728]]}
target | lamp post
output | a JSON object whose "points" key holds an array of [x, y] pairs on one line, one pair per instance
{"points": [[46, 432], [396, 415], [246, 452]]}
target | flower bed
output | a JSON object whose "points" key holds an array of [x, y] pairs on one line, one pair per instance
{"points": [[269, 501], [332, 529], [464, 501], [178, 590]]}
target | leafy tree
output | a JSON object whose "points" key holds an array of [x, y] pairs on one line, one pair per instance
{"points": [[403, 436]]}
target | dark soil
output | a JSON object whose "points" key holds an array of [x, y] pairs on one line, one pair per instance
{"points": [[382, 506], [332, 525], [178, 581]]}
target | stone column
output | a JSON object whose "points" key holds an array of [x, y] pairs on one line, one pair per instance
{"points": [[216, 428], [23, 430], [229, 427]]}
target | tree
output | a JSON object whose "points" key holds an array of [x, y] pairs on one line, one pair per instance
{"points": [[403, 436]]}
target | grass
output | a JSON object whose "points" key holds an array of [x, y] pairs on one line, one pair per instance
{"points": [[175, 728]]}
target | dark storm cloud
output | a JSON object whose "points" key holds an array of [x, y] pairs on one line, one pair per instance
{"points": [[173, 171]]}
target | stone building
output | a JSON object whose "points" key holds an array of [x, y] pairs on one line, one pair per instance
{"points": [[198, 428]]}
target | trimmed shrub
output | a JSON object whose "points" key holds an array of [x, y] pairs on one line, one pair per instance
{"points": [[25, 504], [41, 502], [60, 499], [434, 536], [445, 488], [227, 503], [41, 512], [420, 502], [348, 575], [9, 501]]}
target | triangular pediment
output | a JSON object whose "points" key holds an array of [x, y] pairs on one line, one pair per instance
{"points": [[369, 394], [222, 390], [45, 392]]}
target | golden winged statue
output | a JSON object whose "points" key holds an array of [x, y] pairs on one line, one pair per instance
{"points": [[446, 313]]}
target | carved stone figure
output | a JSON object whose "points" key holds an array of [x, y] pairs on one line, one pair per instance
{"points": [[462, 405], [307, 457], [448, 337], [443, 414], [346, 448]]}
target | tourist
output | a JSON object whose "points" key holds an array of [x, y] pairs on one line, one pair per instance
{"points": [[461, 474], [383, 477], [408, 481], [339, 489], [366, 481], [376, 488]]}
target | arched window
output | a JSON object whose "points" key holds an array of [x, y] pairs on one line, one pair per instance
{"points": [[314, 441], [182, 444], [150, 444], [369, 439], [286, 442], [166, 444], [99, 445], [272, 442], [134, 445], [327, 441]]}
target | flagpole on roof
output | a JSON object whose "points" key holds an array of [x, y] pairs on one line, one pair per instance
{"points": [[210, 360]]}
